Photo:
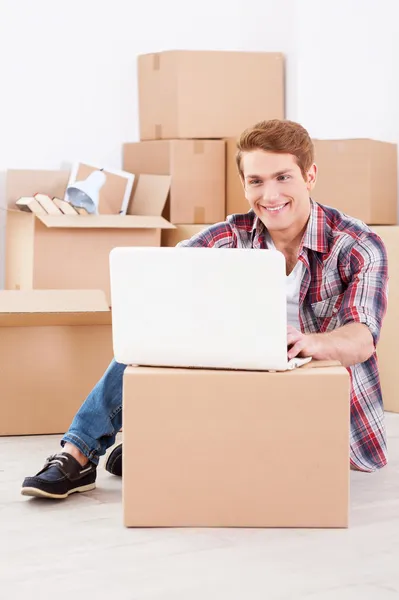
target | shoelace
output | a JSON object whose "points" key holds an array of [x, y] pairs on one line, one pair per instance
{"points": [[56, 459]]}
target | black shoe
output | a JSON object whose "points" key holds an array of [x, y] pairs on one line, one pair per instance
{"points": [[61, 475], [113, 464]]}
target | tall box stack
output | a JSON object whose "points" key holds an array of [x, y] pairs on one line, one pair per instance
{"points": [[359, 177], [223, 471], [206, 104]]}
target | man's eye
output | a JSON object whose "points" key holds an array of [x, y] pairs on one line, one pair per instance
{"points": [[283, 177], [255, 182]]}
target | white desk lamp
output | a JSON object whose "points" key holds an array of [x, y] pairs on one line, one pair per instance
{"points": [[86, 193]]}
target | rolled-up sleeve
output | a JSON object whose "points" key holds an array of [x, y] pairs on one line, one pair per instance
{"points": [[365, 299]]}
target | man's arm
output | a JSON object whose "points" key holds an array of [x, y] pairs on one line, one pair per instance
{"points": [[350, 344], [361, 313]]}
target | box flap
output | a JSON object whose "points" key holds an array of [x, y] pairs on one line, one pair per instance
{"points": [[26, 182], [53, 307], [150, 195], [105, 222]]}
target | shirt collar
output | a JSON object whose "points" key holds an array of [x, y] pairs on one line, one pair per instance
{"points": [[314, 238]]}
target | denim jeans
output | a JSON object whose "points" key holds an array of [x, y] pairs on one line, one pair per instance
{"points": [[99, 419]]}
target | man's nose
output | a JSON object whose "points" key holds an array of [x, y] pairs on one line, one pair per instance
{"points": [[270, 191]]}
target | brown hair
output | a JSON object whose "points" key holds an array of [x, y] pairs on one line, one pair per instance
{"points": [[279, 136]]}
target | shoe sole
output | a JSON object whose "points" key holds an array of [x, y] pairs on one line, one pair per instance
{"points": [[37, 493]]}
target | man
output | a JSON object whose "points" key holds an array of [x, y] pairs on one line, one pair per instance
{"points": [[336, 301]]}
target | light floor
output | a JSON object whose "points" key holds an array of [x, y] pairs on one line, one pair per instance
{"points": [[78, 548]]}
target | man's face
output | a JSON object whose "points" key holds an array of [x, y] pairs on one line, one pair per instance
{"points": [[276, 190]]}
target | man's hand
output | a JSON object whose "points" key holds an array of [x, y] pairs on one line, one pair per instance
{"points": [[302, 344], [350, 344]]}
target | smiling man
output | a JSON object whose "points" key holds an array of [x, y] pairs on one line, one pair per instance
{"points": [[336, 299]]}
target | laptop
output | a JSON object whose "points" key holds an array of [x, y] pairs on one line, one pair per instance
{"points": [[200, 307]]}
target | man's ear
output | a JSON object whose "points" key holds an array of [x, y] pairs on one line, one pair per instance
{"points": [[311, 177]]}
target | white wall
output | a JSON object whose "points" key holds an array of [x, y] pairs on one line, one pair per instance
{"points": [[68, 68], [348, 68]]}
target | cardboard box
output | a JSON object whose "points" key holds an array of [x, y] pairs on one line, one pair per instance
{"points": [[386, 349], [236, 449], [171, 237], [72, 252], [208, 94], [236, 203], [358, 177], [54, 347], [197, 170]]}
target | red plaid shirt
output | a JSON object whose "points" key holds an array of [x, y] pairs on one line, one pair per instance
{"points": [[345, 281]]}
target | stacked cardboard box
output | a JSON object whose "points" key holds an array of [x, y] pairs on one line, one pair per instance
{"points": [[54, 344], [358, 177], [206, 94], [196, 168], [56, 337], [191, 134]]}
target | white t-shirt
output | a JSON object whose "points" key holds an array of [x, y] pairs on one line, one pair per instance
{"points": [[293, 288]]}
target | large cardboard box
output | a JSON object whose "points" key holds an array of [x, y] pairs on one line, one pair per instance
{"points": [[171, 237], [358, 177], [72, 252], [197, 170], [386, 349], [236, 449], [236, 203], [208, 94], [54, 347]]}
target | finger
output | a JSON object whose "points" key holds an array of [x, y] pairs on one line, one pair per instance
{"points": [[296, 349]]}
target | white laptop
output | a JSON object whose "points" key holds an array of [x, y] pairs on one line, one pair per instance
{"points": [[200, 307]]}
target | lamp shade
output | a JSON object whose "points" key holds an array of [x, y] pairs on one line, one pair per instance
{"points": [[86, 193]]}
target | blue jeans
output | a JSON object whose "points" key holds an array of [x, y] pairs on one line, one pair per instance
{"points": [[99, 419]]}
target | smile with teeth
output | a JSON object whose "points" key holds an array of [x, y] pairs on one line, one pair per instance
{"points": [[275, 208]]}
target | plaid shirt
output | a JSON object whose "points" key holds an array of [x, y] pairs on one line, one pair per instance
{"points": [[345, 281]]}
